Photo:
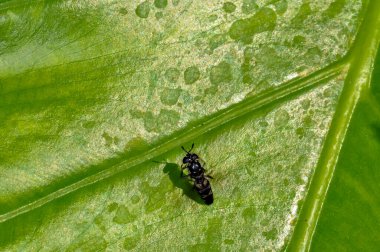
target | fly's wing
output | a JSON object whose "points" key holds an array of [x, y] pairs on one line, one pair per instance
{"points": [[202, 162]]}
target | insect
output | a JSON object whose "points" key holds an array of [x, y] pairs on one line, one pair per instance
{"points": [[202, 185]]}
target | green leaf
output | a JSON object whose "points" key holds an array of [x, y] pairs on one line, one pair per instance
{"points": [[97, 97], [351, 209]]}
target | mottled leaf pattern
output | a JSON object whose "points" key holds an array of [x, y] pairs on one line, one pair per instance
{"points": [[96, 98]]}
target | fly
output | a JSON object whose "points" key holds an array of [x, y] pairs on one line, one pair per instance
{"points": [[196, 172]]}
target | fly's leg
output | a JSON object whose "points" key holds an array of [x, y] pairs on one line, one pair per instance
{"points": [[183, 167]]}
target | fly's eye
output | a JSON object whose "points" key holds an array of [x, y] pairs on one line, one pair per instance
{"points": [[194, 156], [186, 160]]}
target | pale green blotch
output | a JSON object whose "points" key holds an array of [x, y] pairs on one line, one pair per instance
{"points": [[228, 241], [191, 75], [86, 242], [159, 15], [214, 227], [108, 139], [303, 13], [131, 242], [216, 41], [100, 223], [135, 199], [249, 214], [153, 82], [168, 118], [246, 70], [150, 123], [156, 194], [169, 96], [300, 132], [334, 9], [249, 6], [271, 234], [328, 92], [138, 144], [313, 54], [298, 41], [172, 74], [229, 7], [246, 67], [249, 52], [307, 121], [305, 104], [88, 124], [136, 114], [123, 11], [212, 18], [123, 216], [210, 91], [263, 124], [281, 7], [143, 9], [269, 58], [175, 2], [221, 73], [112, 207], [161, 4], [281, 118], [244, 29]]}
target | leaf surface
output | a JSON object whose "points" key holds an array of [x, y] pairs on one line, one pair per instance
{"points": [[93, 92]]}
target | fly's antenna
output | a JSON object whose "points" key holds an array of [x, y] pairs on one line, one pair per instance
{"points": [[192, 146], [188, 152], [184, 149]]}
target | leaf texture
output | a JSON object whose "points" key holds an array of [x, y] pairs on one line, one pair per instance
{"points": [[98, 96]]}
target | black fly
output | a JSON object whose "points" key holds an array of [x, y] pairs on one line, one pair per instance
{"points": [[197, 174]]}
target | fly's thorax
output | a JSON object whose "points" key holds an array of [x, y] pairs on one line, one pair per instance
{"points": [[195, 167]]}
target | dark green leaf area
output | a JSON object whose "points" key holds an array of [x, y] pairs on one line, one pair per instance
{"points": [[243, 30], [191, 75], [249, 6], [302, 14], [161, 4], [335, 8], [229, 7], [351, 210], [143, 10], [221, 73]]}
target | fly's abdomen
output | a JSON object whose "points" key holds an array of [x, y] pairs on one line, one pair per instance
{"points": [[205, 191]]}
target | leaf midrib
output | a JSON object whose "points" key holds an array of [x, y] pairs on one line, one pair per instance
{"points": [[358, 79]]}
